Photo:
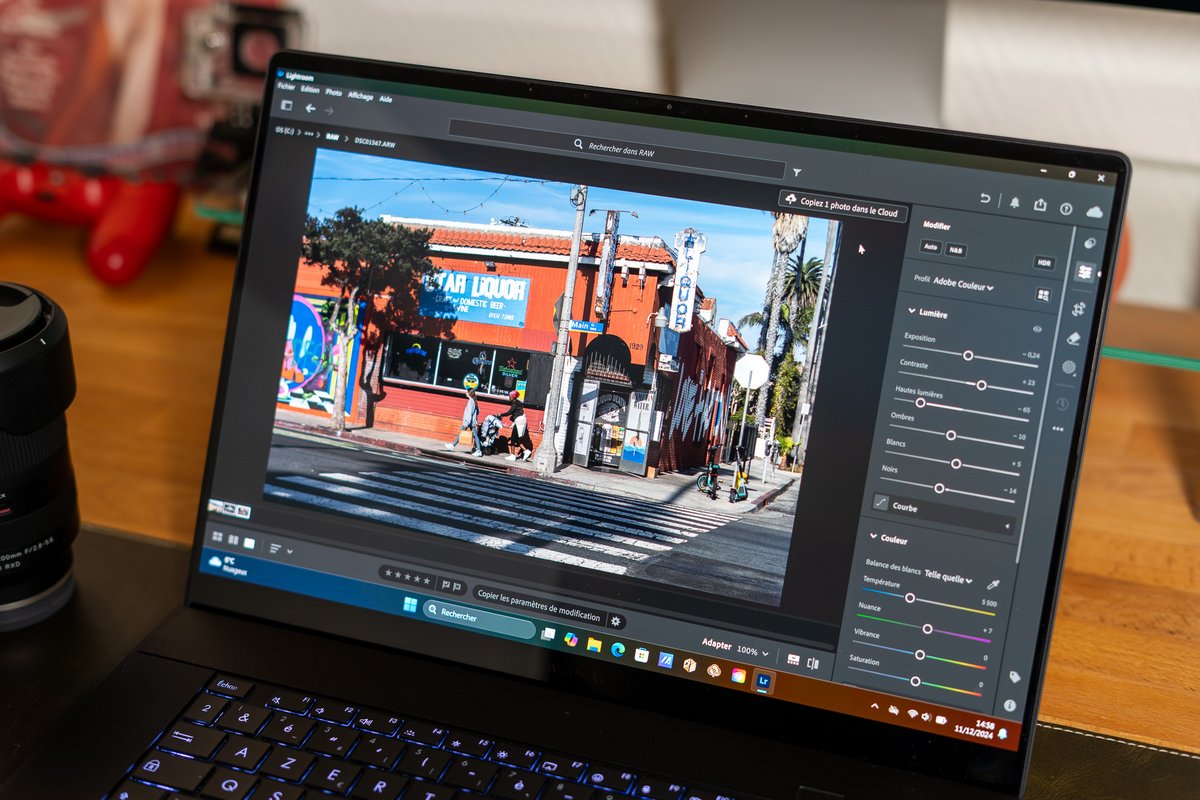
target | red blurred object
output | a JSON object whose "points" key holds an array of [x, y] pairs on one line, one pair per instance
{"points": [[128, 219]]}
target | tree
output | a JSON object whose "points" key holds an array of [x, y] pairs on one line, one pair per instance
{"points": [[377, 269], [787, 233]]}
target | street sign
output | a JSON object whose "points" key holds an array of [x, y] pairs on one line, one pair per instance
{"points": [[750, 371], [586, 327]]}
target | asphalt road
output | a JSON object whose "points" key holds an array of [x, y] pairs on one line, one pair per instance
{"points": [[741, 556]]}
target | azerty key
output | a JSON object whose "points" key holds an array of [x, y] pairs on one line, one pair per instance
{"points": [[657, 789], [282, 699], [288, 729], [515, 755], [174, 771], [332, 740], [331, 711], [423, 762], [236, 688], [416, 730], [290, 765], [205, 709], [270, 790], [225, 784], [430, 791], [565, 790], [605, 777], [517, 784], [469, 744], [559, 766], [191, 740], [244, 718], [377, 722], [377, 751], [376, 785], [470, 773], [333, 775], [242, 752], [129, 790]]}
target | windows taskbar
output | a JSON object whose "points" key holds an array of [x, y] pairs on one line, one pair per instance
{"points": [[614, 647]]}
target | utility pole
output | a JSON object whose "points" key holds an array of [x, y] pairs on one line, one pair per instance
{"points": [[546, 457]]}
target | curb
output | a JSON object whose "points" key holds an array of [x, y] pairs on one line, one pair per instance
{"points": [[761, 501]]}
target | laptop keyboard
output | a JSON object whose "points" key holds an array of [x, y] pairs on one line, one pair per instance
{"points": [[237, 740]]}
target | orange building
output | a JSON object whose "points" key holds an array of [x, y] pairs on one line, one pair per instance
{"points": [[489, 320]]}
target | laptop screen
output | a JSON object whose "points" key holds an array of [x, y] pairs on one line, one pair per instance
{"points": [[776, 406]]}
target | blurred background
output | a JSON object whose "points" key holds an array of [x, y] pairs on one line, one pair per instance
{"points": [[1124, 76]]}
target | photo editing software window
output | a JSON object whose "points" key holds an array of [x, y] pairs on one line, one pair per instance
{"points": [[758, 410]]}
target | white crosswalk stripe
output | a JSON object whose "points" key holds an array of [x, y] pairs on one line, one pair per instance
{"points": [[527, 516]]}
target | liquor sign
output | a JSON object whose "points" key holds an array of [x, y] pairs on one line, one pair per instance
{"points": [[475, 297], [689, 244], [608, 257]]}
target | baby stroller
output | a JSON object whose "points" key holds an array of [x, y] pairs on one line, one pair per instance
{"points": [[489, 431]]}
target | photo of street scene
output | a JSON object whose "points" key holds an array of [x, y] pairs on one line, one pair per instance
{"points": [[599, 379]]}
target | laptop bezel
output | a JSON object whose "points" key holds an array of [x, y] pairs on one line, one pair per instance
{"points": [[805, 727]]}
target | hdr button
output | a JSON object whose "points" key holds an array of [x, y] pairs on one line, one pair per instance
{"points": [[1044, 263], [931, 247], [956, 250]]}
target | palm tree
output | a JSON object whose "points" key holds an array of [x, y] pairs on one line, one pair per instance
{"points": [[801, 283], [787, 233]]}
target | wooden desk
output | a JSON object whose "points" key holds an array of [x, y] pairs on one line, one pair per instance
{"points": [[1126, 653]]}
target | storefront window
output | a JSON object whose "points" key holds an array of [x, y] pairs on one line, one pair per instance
{"points": [[461, 365]]}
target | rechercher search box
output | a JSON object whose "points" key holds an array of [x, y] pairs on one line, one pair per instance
{"points": [[479, 620], [603, 146], [846, 206]]}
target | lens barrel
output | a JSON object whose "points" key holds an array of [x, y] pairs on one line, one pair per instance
{"points": [[39, 509]]}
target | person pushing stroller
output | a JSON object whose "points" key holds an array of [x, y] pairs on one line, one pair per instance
{"points": [[519, 437]]}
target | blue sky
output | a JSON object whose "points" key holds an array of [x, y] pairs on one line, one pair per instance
{"points": [[734, 269]]}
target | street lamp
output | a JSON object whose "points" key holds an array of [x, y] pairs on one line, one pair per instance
{"points": [[545, 460]]}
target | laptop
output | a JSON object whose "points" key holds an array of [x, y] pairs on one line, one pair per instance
{"points": [[575, 443]]}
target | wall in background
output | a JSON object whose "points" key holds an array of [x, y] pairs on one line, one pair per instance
{"points": [[1073, 72]]}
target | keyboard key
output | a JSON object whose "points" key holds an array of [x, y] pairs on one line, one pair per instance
{"points": [[242, 752], [237, 688], [333, 775], [282, 699], [606, 794], [191, 740], [515, 755], [377, 751], [225, 784], [290, 765], [244, 718], [376, 785], [566, 790], [469, 744], [423, 762], [334, 712], [288, 729], [272, 790], [332, 740], [205, 709], [603, 776], [705, 794], [557, 765], [657, 789], [517, 784], [373, 721], [470, 773], [173, 771], [416, 730], [131, 790], [430, 791]]}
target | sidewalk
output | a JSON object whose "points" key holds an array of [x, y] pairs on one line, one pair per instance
{"points": [[676, 487]]}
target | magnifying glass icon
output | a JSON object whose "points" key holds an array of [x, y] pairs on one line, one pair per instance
{"points": [[579, 144]]}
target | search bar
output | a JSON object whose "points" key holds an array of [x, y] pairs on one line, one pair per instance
{"points": [[616, 148], [466, 617]]}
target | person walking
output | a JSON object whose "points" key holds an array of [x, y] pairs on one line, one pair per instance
{"points": [[520, 429], [470, 421]]}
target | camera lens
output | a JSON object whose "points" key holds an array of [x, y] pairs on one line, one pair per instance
{"points": [[39, 511]]}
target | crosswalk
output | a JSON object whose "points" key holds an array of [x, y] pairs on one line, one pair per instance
{"points": [[526, 516]]}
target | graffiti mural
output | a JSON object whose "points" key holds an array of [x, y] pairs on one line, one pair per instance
{"points": [[310, 356]]}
